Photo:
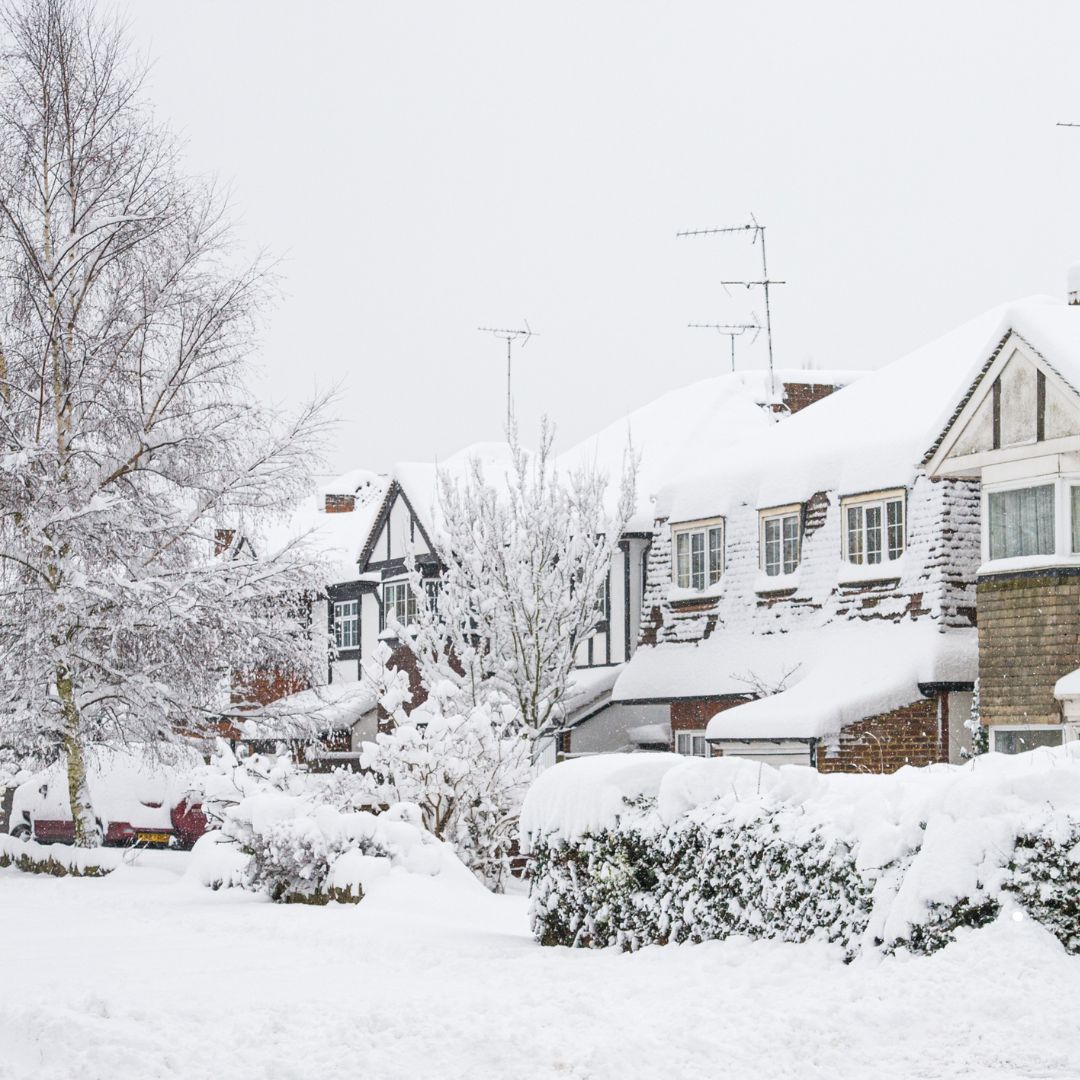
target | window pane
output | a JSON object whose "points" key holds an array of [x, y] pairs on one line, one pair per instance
{"points": [[1075, 520], [1022, 522], [772, 546], [895, 515], [697, 560], [854, 534], [716, 554], [682, 560], [791, 543], [700, 748], [873, 534], [1017, 742]]}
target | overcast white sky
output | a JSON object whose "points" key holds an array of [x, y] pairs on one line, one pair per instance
{"points": [[425, 168]]}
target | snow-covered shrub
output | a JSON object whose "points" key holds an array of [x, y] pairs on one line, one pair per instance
{"points": [[279, 832], [700, 879], [1044, 877], [57, 860], [464, 760], [629, 853]]}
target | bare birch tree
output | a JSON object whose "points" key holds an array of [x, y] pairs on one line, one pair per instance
{"points": [[133, 459]]}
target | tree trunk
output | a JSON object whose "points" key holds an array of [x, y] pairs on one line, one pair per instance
{"points": [[82, 811]]}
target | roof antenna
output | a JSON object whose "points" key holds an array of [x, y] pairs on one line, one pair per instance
{"points": [[764, 283], [510, 336], [730, 330]]}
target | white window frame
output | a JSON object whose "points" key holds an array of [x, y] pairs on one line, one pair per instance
{"points": [[703, 528], [781, 514], [690, 737], [995, 728], [394, 587], [880, 500], [1063, 483], [345, 619]]}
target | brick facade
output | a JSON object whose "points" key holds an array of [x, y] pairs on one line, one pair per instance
{"points": [[1029, 636], [916, 734], [694, 714]]}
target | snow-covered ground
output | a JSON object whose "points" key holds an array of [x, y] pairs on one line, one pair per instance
{"points": [[144, 974]]}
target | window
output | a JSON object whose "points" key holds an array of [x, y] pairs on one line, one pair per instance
{"points": [[780, 542], [347, 624], [432, 589], [691, 743], [1022, 522], [874, 529], [699, 555], [1016, 740], [1074, 495], [602, 600], [399, 601]]}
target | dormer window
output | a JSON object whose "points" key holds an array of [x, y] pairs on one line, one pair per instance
{"points": [[874, 528], [781, 533], [699, 553]]}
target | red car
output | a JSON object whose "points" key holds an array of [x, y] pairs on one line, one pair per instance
{"points": [[136, 801]]}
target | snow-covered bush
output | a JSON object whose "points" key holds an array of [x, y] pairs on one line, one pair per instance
{"points": [[298, 837], [629, 853]]}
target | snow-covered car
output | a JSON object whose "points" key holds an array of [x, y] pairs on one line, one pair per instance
{"points": [[135, 800]]}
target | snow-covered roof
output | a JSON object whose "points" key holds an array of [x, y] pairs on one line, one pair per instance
{"points": [[875, 432], [686, 428], [309, 712], [420, 479], [1068, 686], [337, 538], [827, 677], [587, 689]]}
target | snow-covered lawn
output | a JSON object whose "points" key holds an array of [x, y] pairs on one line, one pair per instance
{"points": [[144, 974]]}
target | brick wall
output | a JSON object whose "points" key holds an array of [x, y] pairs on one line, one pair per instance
{"points": [[1029, 636], [912, 735], [695, 714]]}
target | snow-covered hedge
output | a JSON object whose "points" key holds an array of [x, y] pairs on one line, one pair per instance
{"points": [[57, 860], [640, 849], [300, 838]]}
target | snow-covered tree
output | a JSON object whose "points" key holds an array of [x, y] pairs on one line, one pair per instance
{"points": [[133, 458], [526, 559], [466, 766]]}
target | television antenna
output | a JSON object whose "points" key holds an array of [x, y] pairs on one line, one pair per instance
{"points": [[521, 337], [729, 330], [763, 283]]}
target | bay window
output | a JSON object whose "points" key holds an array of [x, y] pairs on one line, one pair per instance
{"points": [[1016, 739], [780, 540], [347, 624], [398, 600], [699, 554], [874, 528], [1022, 521]]}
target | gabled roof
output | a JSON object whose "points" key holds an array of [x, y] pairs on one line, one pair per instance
{"points": [[337, 538], [1047, 327], [867, 436], [686, 428]]}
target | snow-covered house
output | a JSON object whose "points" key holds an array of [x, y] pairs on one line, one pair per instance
{"points": [[812, 598], [682, 430], [1015, 434]]}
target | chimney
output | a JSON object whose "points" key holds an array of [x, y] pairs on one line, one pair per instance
{"points": [[799, 395], [340, 504], [223, 539], [1073, 284]]}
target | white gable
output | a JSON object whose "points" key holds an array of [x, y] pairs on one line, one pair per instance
{"points": [[1020, 406]]}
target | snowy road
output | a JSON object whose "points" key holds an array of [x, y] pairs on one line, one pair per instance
{"points": [[144, 975]]}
